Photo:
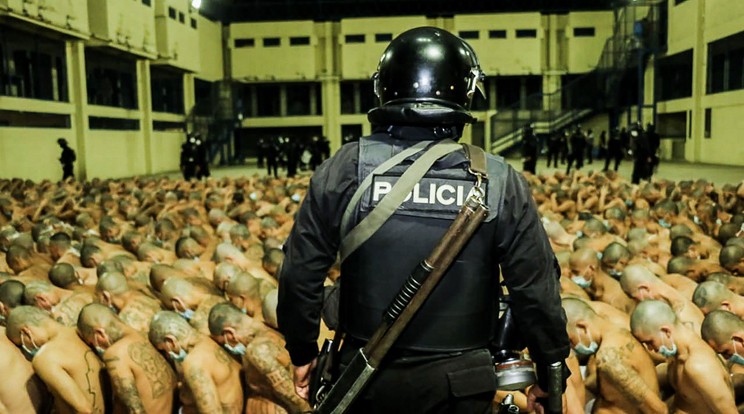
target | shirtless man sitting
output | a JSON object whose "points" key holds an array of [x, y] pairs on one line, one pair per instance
{"points": [[700, 380], [63, 305], [148, 252], [25, 264], [724, 332], [710, 296], [66, 276], [20, 390], [223, 274], [230, 254], [189, 254], [134, 308], [733, 283], [588, 274], [211, 378], [61, 250], [244, 291], [626, 377], [640, 284], [266, 363], [189, 302], [141, 378], [70, 370], [731, 258]]}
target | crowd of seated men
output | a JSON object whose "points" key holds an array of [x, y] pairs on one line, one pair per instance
{"points": [[651, 281], [145, 295], [151, 295]]}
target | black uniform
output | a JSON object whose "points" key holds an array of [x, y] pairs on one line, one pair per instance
{"points": [[654, 142], [272, 156], [578, 147], [68, 160], [529, 150], [455, 324], [642, 161], [188, 159], [615, 150], [440, 362], [554, 149]]}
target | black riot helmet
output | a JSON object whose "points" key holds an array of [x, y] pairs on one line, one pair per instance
{"points": [[428, 74]]}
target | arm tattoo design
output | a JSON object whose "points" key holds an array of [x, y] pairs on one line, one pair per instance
{"points": [[613, 364], [203, 389], [91, 378], [264, 358], [158, 373], [126, 392]]}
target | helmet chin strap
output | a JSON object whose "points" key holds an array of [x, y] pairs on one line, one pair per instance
{"points": [[423, 115]]}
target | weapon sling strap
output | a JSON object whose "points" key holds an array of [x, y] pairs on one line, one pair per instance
{"points": [[370, 224], [381, 169]]}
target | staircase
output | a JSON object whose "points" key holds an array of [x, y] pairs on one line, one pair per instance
{"points": [[615, 84], [216, 121]]}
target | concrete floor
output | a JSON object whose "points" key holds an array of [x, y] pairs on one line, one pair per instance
{"points": [[676, 171]]}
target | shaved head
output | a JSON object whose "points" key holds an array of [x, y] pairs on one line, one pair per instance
{"points": [[585, 257], [24, 316], [224, 315], [635, 275], [63, 275], [243, 284], [576, 310], [114, 283], [168, 323], [35, 288], [95, 316], [268, 307], [177, 288], [729, 257], [613, 253], [11, 294], [650, 315], [720, 325], [223, 274], [709, 295]]}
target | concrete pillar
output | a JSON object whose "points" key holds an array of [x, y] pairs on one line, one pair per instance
{"points": [[330, 88], [283, 100], [522, 92], [313, 99], [144, 94], [699, 74], [189, 94], [551, 91], [79, 98]]}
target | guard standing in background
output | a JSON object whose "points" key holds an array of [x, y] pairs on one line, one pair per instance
{"points": [[564, 146], [272, 156], [654, 142], [590, 146], [642, 160], [441, 360], [554, 148], [529, 149], [67, 159], [578, 146], [615, 150], [201, 156], [188, 158]]}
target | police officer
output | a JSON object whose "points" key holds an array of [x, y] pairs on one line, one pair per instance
{"points": [[615, 149], [578, 147], [425, 82], [188, 158], [529, 149], [642, 156], [272, 156], [554, 148], [67, 159]]}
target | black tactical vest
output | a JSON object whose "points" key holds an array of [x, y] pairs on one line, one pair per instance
{"points": [[461, 312]]}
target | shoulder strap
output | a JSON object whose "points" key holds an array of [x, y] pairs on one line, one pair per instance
{"points": [[477, 158], [364, 230], [381, 169]]}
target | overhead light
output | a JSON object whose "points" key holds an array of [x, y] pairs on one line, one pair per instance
{"points": [[196, 4]]}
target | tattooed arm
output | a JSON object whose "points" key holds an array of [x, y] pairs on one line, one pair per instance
{"points": [[614, 367], [124, 385], [203, 389], [62, 385], [263, 356]]}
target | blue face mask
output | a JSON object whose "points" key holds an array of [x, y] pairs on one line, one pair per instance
{"points": [[253, 196], [736, 358], [667, 352], [579, 234], [615, 273], [237, 350], [665, 224], [28, 351], [628, 203], [187, 314], [296, 198], [696, 220], [581, 281], [584, 350], [99, 350], [178, 357]]}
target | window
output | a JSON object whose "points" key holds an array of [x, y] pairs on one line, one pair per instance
{"points": [[299, 41], [193, 23], [298, 99], [181, 17], [32, 66], [525, 33], [708, 122], [383, 37], [676, 2], [172, 13], [726, 64], [272, 41], [355, 38], [147, 2], [674, 76], [168, 126], [469, 34], [497, 34], [119, 124], [166, 88], [268, 99], [33, 119], [111, 80], [357, 97], [248, 42], [583, 32]]}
